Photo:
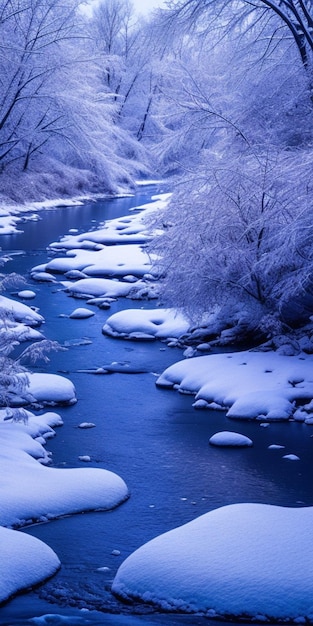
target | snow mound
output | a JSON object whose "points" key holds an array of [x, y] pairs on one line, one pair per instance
{"points": [[31, 491], [158, 323], [81, 314], [108, 261], [250, 384], [43, 277], [43, 388], [227, 438], [86, 287], [27, 294], [242, 560], [20, 312], [25, 561], [16, 331], [121, 230]]}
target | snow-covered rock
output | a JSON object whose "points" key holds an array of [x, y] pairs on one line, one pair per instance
{"points": [[109, 261], [243, 560], [150, 323], [30, 492], [122, 230], [16, 331], [81, 314], [27, 294], [20, 311], [43, 388], [230, 439], [105, 287], [250, 384], [43, 277]]}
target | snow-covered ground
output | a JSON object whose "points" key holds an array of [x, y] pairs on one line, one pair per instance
{"points": [[247, 560], [12, 214], [250, 384], [131, 229], [31, 491], [25, 561], [100, 263], [20, 312], [240, 561]]}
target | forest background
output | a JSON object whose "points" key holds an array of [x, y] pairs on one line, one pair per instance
{"points": [[216, 96]]}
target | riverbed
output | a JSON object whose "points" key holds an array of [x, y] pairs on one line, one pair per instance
{"points": [[152, 438]]}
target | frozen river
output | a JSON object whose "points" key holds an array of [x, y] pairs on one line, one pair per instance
{"points": [[152, 438]]}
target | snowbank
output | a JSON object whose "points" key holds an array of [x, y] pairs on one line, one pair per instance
{"points": [[43, 388], [89, 255], [149, 324], [15, 331], [122, 230], [30, 492], [109, 261], [249, 384], [243, 560], [25, 561], [20, 312], [10, 213], [86, 287]]}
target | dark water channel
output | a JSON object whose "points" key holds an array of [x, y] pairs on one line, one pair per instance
{"points": [[153, 438]]}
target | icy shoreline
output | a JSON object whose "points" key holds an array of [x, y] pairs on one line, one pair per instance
{"points": [[280, 388], [31, 491]]}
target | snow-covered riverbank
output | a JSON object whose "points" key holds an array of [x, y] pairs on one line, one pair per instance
{"points": [[31, 491], [276, 382]]}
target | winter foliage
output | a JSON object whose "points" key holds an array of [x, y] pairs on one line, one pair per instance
{"points": [[57, 130], [216, 96]]}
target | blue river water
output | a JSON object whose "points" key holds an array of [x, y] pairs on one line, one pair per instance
{"points": [[151, 437]]}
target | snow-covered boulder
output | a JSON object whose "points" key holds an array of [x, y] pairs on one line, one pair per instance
{"points": [[27, 294], [43, 277], [229, 439], [81, 314], [105, 287], [43, 388], [30, 492], [16, 331], [150, 323], [121, 230], [20, 311], [251, 561], [108, 261]]}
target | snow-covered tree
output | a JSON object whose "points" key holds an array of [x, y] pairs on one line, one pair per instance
{"points": [[237, 125], [133, 60], [57, 120], [295, 15]]}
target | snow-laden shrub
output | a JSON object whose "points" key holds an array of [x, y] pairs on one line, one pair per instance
{"points": [[240, 232]]}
